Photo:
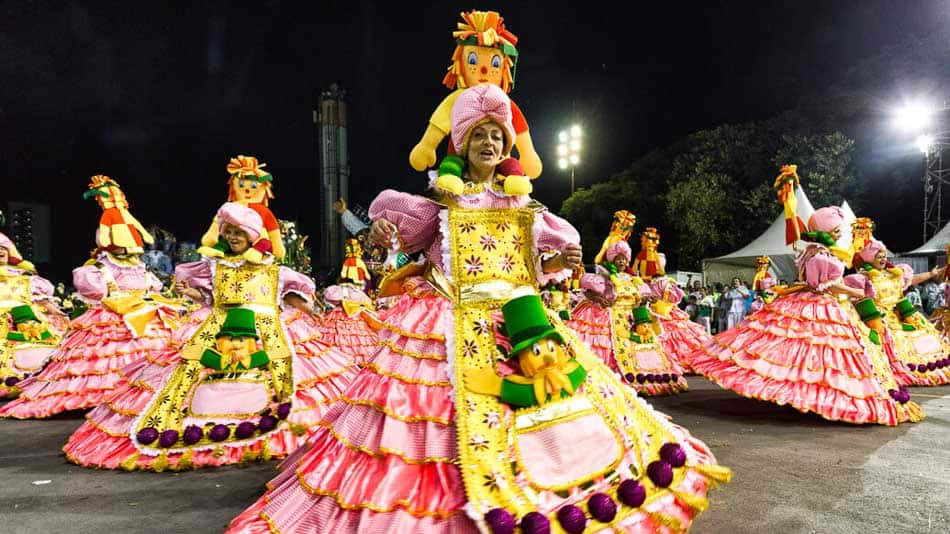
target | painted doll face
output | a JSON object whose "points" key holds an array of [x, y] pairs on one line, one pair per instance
{"points": [[645, 331], [545, 354], [482, 64], [4, 256], [237, 239], [236, 348], [28, 327], [835, 233], [247, 190]]}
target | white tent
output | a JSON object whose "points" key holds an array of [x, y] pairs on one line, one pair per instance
{"points": [[771, 243], [934, 246]]}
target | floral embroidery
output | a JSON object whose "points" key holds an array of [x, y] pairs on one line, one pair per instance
{"points": [[506, 263], [470, 348], [517, 242], [492, 419], [503, 226], [478, 442], [488, 242], [481, 327], [474, 265], [467, 227]]}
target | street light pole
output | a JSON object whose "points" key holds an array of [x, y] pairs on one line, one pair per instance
{"points": [[569, 150]]}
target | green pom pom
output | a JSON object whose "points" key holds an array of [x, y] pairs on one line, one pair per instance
{"points": [[452, 165]]}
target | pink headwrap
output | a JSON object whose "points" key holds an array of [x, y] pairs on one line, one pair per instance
{"points": [[826, 219], [620, 247], [241, 216], [871, 249], [477, 105]]}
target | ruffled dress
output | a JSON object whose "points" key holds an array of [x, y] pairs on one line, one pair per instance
{"points": [[679, 336], [647, 367], [410, 449], [176, 413], [347, 326], [810, 350], [127, 322], [922, 354], [22, 358]]}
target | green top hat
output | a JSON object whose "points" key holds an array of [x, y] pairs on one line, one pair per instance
{"points": [[641, 315], [526, 323], [867, 309], [905, 309], [22, 314], [239, 323]]}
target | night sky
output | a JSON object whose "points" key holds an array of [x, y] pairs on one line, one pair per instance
{"points": [[160, 98]]}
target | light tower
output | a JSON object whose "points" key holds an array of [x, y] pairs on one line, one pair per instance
{"points": [[330, 119]]}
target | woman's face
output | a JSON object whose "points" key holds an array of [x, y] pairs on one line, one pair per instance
{"points": [[736, 282], [4, 256], [486, 145], [621, 262], [835, 233], [237, 239], [880, 259]]}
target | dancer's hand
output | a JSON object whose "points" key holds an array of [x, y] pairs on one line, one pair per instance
{"points": [[381, 233]]}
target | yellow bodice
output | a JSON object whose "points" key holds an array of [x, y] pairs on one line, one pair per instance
{"points": [[14, 289], [492, 253], [889, 285]]}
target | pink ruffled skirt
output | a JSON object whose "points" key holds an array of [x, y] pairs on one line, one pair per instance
{"points": [[350, 335], [88, 364], [809, 351], [105, 439]]}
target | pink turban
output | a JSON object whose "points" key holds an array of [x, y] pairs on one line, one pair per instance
{"points": [[620, 247], [870, 250], [477, 105], [241, 216], [826, 219]]}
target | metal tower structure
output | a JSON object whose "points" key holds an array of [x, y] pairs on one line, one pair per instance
{"points": [[935, 178], [330, 120]]}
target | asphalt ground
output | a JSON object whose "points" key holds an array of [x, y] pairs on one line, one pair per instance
{"points": [[792, 473]]}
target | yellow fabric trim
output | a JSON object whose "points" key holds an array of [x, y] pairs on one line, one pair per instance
{"points": [[403, 378], [392, 346], [390, 413]]}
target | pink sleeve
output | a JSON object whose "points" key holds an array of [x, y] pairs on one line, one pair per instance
{"points": [[41, 288], [597, 284], [551, 233], [663, 284], [297, 283], [767, 283], [675, 294], [333, 295], [197, 274], [89, 282], [822, 270], [856, 281], [417, 218], [907, 274]]}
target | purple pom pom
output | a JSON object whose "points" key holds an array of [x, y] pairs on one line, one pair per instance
{"points": [[192, 435], [893, 393], [641, 378], [632, 493], [912, 367], [629, 377], [167, 438], [651, 377], [535, 523], [661, 473], [602, 507], [11, 381], [500, 521], [572, 519], [219, 433], [283, 410], [931, 366], [673, 454], [147, 435], [665, 377], [674, 377], [245, 430], [904, 397], [267, 423]]}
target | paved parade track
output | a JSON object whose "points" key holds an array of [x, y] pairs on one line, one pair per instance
{"points": [[792, 473]]}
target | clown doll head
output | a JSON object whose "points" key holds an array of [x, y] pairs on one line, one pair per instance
{"points": [[643, 330], [250, 185], [485, 53], [119, 232], [620, 230], [235, 346], [649, 262]]}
